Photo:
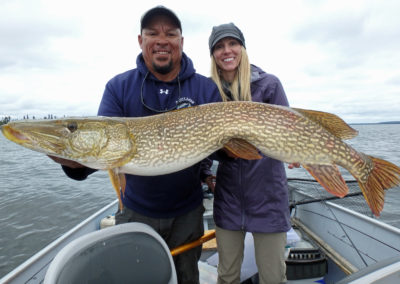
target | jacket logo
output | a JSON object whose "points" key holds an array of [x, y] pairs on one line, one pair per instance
{"points": [[164, 91], [185, 102]]}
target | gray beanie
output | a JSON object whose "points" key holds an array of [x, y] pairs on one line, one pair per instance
{"points": [[222, 31]]}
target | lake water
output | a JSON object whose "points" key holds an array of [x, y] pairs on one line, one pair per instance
{"points": [[39, 203]]}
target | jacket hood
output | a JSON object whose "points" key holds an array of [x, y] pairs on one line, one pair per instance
{"points": [[257, 74], [187, 68]]}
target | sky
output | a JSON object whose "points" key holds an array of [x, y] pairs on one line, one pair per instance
{"points": [[336, 56]]}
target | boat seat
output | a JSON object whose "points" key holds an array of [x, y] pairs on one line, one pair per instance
{"points": [[126, 253]]}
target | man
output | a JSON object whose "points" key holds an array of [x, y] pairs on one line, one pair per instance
{"points": [[163, 80]]}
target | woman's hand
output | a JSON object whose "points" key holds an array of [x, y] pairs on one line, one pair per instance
{"points": [[294, 165]]}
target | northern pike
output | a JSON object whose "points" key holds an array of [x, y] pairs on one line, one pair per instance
{"points": [[169, 142]]}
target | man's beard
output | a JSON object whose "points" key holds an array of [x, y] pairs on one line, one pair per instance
{"points": [[163, 69]]}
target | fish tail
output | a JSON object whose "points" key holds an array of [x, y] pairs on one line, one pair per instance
{"points": [[384, 175]]}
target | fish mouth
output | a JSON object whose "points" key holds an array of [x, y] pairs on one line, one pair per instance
{"points": [[14, 135], [36, 138]]}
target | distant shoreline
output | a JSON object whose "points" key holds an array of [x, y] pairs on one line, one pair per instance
{"points": [[5, 121], [385, 122]]}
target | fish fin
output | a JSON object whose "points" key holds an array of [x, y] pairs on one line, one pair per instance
{"points": [[240, 148], [329, 177], [122, 180], [118, 182], [384, 175], [331, 122]]}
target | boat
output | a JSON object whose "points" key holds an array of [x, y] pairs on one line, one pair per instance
{"points": [[330, 244], [359, 248]]}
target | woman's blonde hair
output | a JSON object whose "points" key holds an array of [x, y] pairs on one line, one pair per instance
{"points": [[240, 87]]}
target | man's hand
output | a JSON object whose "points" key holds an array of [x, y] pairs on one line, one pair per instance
{"points": [[65, 162], [210, 181]]}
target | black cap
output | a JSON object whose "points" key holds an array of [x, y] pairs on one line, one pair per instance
{"points": [[223, 31], [159, 11]]}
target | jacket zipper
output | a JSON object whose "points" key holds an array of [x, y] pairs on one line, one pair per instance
{"points": [[242, 195]]}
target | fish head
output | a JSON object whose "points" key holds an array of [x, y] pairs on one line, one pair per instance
{"points": [[100, 143]]}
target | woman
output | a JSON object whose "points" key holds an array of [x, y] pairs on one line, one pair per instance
{"points": [[250, 196]]}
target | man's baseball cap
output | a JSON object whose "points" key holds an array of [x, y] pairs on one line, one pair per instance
{"points": [[159, 11]]}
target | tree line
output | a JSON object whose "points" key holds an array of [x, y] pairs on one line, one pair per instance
{"points": [[7, 119]]}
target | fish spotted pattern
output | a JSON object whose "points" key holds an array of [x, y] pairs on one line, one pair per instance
{"points": [[175, 140]]}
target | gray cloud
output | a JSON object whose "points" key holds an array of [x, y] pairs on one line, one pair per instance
{"points": [[351, 38], [335, 56], [27, 32], [394, 80]]}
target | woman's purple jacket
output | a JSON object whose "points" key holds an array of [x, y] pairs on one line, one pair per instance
{"points": [[252, 195]]}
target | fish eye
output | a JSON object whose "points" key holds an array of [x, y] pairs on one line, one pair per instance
{"points": [[72, 126]]}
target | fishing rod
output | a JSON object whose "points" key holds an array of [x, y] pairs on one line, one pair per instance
{"points": [[328, 198], [323, 200], [205, 238], [211, 234], [313, 180]]}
